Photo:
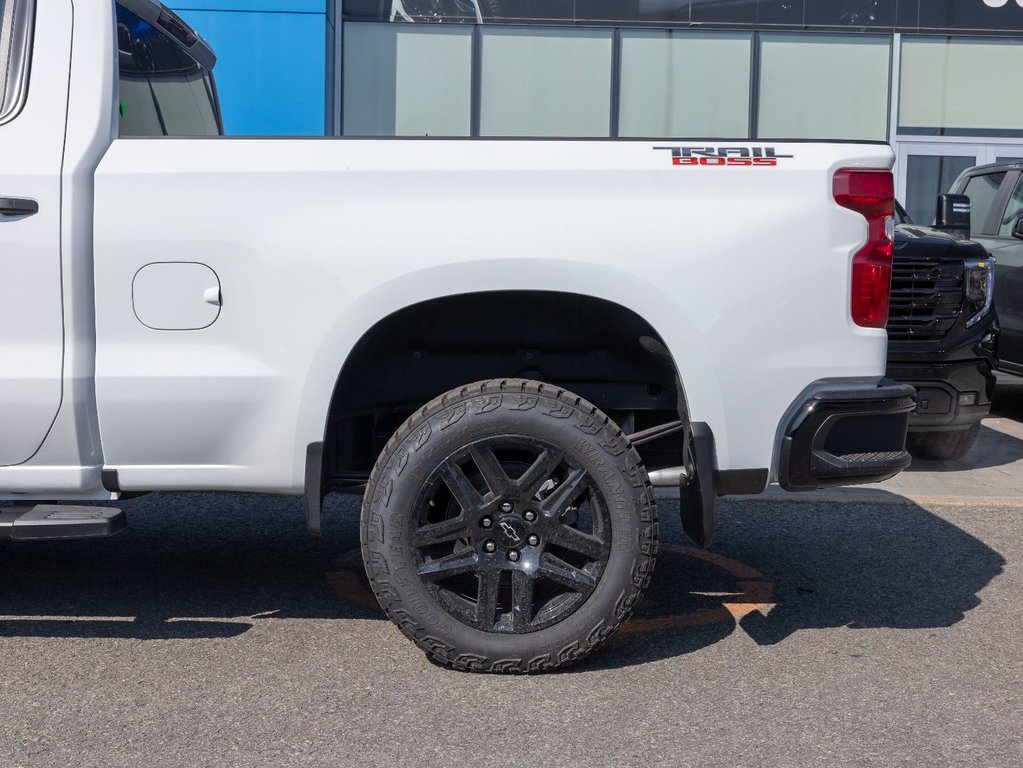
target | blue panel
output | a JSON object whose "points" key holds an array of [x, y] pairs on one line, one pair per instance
{"points": [[271, 67], [279, 6]]}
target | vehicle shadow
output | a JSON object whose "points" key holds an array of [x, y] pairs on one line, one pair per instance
{"points": [[199, 566], [992, 449], [188, 566], [863, 566]]}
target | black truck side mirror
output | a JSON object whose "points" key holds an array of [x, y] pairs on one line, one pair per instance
{"points": [[953, 214], [1017, 227]]}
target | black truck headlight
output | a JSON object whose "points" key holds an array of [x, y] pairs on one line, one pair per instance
{"points": [[980, 286]]}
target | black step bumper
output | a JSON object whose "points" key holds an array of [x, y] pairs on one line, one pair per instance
{"points": [[846, 435]]}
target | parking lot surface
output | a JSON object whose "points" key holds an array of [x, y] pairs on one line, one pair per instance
{"points": [[875, 626]]}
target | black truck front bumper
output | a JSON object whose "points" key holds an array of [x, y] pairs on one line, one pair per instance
{"points": [[950, 396], [846, 434]]}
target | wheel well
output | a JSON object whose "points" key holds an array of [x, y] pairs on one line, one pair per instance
{"points": [[594, 348]]}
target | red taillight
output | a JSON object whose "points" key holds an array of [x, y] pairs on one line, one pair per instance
{"points": [[871, 194]]}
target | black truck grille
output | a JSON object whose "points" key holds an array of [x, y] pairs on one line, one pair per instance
{"points": [[926, 299]]}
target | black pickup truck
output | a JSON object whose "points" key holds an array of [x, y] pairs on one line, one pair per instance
{"points": [[996, 194], [941, 329]]}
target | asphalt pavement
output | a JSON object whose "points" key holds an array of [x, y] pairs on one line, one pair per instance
{"points": [[875, 626]]}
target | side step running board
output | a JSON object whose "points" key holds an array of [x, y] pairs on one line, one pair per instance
{"points": [[60, 521]]}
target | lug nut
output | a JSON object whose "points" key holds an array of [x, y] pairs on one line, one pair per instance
{"points": [[533, 540], [506, 506], [513, 555], [530, 516], [489, 546], [486, 522]]}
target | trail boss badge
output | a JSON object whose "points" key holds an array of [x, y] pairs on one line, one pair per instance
{"points": [[724, 156]]}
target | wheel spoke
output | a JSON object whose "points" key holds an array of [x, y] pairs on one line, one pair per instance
{"points": [[486, 599], [561, 498], [439, 533], [577, 541], [540, 470], [522, 600], [499, 548], [558, 570], [452, 565], [465, 493], [490, 468]]}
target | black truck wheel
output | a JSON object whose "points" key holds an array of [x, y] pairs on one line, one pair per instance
{"points": [[509, 526], [942, 446]]}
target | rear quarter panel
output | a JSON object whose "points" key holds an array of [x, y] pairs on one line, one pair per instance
{"points": [[743, 271]]}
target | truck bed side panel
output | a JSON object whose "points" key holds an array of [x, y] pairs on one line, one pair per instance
{"points": [[744, 272]]}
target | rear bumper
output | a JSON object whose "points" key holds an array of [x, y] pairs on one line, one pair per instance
{"points": [[846, 435], [939, 387]]}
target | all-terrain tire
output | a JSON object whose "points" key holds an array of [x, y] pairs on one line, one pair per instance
{"points": [[449, 624], [942, 446]]}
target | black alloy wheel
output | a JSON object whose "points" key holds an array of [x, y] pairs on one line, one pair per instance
{"points": [[509, 535], [509, 527]]}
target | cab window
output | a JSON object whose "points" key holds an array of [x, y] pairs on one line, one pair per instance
{"points": [[983, 191], [1012, 211], [6, 20], [163, 90], [14, 18]]}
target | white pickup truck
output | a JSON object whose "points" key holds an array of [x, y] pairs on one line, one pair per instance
{"points": [[504, 345]]}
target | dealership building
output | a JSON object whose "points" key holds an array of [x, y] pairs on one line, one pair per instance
{"points": [[933, 77]]}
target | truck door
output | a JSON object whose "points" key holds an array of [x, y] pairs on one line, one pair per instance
{"points": [[1008, 253], [35, 54]]}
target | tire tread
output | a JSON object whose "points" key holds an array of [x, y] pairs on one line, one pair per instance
{"points": [[615, 444]]}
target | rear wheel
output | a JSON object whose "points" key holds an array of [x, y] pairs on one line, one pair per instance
{"points": [[942, 446], [509, 526]]}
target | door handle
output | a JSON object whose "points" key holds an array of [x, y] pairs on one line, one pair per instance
{"points": [[18, 206]]}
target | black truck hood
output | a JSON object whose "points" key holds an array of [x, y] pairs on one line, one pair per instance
{"points": [[914, 240]]}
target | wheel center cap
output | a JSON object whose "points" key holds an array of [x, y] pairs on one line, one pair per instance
{"points": [[511, 531]]}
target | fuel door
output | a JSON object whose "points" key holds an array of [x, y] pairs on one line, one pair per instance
{"points": [[176, 296]]}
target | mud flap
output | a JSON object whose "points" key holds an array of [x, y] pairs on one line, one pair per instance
{"points": [[698, 491], [314, 487]]}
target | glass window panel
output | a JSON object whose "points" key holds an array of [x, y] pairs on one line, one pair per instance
{"points": [[6, 16], [667, 89], [407, 82], [852, 13], [1012, 211], [959, 85], [162, 90], [927, 176], [746, 12], [546, 82], [824, 87], [982, 191]]}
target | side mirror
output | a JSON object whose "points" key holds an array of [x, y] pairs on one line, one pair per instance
{"points": [[953, 214], [1017, 227]]}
